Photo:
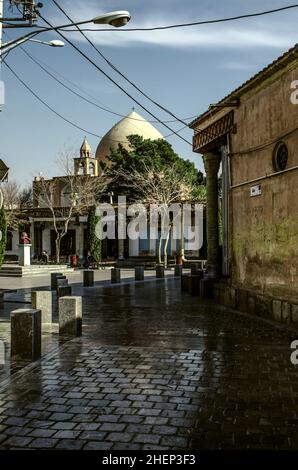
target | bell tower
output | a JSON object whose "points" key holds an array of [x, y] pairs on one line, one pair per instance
{"points": [[86, 164]]}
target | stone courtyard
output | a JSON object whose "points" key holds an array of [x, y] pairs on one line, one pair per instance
{"points": [[154, 369]]}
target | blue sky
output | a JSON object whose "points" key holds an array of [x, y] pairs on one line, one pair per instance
{"points": [[183, 69]]}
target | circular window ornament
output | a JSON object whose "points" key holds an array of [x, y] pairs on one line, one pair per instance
{"points": [[280, 156]]}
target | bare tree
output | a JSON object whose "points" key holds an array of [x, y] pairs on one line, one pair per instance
{"points": [[158, 188], [67, 197], [12, 201], [26, 198]]}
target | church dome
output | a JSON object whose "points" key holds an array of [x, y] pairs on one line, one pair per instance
{"points": [[131, 124]]}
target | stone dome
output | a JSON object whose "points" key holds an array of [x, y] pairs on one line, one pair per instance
{"points": [[133, 123]]}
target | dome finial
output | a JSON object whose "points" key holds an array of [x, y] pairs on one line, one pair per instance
{"points": [[85, 150]]}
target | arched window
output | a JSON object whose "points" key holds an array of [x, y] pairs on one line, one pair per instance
{"points": [[91, 168], [81, 169], [65, 196]]}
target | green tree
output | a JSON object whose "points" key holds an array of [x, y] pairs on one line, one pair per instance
{"points": [[150, 172], [156, 155], [94, 243], [3, 234]]}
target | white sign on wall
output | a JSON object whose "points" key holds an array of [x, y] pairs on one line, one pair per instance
{"points": [[255, 190]]}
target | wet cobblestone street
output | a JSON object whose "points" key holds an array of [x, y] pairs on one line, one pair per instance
{"points": [[155, 369]]}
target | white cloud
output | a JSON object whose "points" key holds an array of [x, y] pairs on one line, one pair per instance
{"points": [[267, 32], [194, 38]]}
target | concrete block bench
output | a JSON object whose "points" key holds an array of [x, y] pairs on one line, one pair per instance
{"points": [[25, 334]]}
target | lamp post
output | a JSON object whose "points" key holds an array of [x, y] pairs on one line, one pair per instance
{"points": [[7, 47], [114, 18]]}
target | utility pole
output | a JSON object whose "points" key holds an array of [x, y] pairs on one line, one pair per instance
{"points": [[26, 16]]}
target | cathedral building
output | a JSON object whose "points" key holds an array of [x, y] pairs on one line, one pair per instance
{"points": [[40, 220]]}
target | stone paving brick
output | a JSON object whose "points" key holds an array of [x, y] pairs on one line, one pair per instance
{"points": [[93, 435], [204, 389], [131, 419], [119, 437], [147, 438], [43, 443], [67, 434], [95, 445], [63, 425], [61, 417], [174, 441], [17, 441], [16, 421], [138, 428], [162, 429], [69, 444], [42, 433], [126, 446], [112, 427], [3, 437]]}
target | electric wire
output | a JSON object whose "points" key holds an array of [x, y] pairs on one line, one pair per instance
{"points": [[195, 23], [114, 81], [53, 110], [125, 77], [46, 68]]}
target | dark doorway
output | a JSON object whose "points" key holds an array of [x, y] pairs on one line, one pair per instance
{"points": [[37, 240], [68, 243]]}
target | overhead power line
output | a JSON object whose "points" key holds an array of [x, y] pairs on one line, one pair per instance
{"points": [[45, 103], [195, 23], [114, 81], [163, 108], [45, 68], [50, 108]]}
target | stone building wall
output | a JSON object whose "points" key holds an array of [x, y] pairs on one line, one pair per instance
{"points": [[264, 228]]}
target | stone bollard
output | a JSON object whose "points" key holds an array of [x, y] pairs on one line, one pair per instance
{"points": [[54, 280], [25, 334], [178, 270], [61, 281], [194, 267], [207, 286], [88, 278], [70, 316], [198, 272], [194, 283], [62, 291], [139, 273], [160, 272], [42, 300], [184, 282], [115, 275]]}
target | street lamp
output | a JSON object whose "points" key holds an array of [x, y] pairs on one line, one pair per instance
{"points": [[7, 47], [114, 18], [54, 43]]}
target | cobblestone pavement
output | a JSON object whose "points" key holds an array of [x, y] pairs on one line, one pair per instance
{"points": [[156, 370]]}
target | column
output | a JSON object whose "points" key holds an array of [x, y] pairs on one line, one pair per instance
{"points": [[120, 249], [211, 163], [32, 236]]}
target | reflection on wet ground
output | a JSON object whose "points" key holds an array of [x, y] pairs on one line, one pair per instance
{"points": [[155, 369]]}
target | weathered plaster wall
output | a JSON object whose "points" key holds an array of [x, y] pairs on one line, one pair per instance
{"points": [[264, 238]]}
